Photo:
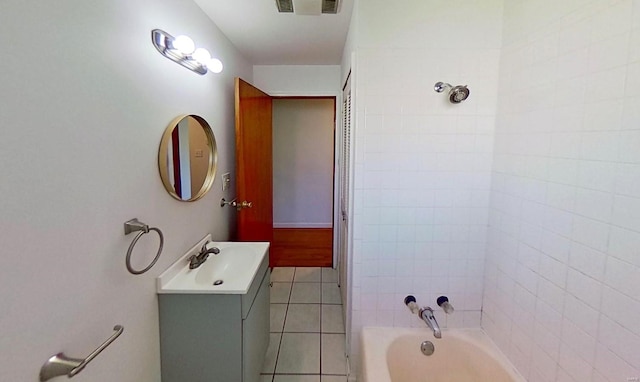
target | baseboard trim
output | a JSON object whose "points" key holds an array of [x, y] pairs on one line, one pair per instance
{"points": [[302, 225]]}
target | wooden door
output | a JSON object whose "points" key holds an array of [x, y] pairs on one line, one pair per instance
{"points": [[254, 158]]}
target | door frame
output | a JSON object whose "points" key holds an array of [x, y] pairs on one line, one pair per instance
{"points": [[338, 130], [308, 240]]}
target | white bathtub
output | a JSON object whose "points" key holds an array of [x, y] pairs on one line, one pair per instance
{"points": [[461, 355]]}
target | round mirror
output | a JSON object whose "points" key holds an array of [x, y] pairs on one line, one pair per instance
{"points": [[188, 158]]}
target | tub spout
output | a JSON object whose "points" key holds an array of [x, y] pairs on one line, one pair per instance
{"points": [[426, 314]]}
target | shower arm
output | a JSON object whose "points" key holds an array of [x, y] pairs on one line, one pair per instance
{"points": [[442, 86]]}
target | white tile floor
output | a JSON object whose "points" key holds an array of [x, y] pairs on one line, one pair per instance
{"points": [[307, 329]]}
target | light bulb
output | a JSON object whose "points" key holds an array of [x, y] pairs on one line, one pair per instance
{"points": [[184, 44], [201, 55], [214, 65]]}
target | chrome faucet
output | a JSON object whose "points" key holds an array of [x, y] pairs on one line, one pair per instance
{"points": [[426, 314], [197, 260]]}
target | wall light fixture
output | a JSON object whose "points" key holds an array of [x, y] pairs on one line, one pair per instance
{"points": [[182, 50]]}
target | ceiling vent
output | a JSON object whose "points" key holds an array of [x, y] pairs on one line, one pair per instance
{"points": [[330, 6], [285, 6], [308, 7]]}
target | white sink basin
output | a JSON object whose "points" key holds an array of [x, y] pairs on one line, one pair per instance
{"points": [[236, 266]]}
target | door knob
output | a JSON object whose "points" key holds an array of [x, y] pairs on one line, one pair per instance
{"points": [[236, 204], [243, 204]]}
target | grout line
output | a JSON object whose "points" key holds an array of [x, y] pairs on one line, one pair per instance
{"points": [[286, 312], [310, 375], [275, 366], [320, 332], [309, 303], [320, 323]]}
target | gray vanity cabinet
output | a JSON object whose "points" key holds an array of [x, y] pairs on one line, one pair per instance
{"points": [[215, 337]]}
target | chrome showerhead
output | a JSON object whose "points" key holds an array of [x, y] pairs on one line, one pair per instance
{"points": [[456, 94]]}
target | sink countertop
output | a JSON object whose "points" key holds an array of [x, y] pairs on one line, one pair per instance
{"points": [[236, 265]]}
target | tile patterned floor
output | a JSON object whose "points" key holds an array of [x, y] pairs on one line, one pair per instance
{"points": [[307, 329]]}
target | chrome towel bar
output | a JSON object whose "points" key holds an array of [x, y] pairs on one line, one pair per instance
{"points": [[135, 225], [60, 364]]}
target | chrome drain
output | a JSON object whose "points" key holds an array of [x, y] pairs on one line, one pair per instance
{"points": [[427, 348], [218, 282]]}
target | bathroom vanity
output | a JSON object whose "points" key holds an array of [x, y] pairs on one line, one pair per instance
{"points": [[216, 333]]}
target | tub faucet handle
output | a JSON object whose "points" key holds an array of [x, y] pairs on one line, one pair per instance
{"points": [[443, 302], [410, 302]]}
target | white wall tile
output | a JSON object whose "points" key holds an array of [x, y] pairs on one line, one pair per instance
{"points": [[627, 179], [634, 43], [594, 204], [633, 80], [426, 167], [573, 37], [613, 367], [548, 340], [610, 18], [561, 196], [552, 293], [609, 53], [581, 314], [620, 341], [624, 245], [585, 288], [589, 216], [622, 309], [629, 143], [602, 146], [553, 271], [581, 342], [614, 77], [596, 175], [623, 277], [626, 212], [587, 261], [573, 365], [562, 200], [556, 246], [543, 366], [591, 233]]}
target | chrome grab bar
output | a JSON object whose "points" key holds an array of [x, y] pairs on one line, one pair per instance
{"points": [[60, 364]]}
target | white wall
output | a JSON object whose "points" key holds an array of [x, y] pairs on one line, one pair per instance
{"points": [[287, 80], [422, 165], [85, 99], [349, 46], [303, 163], [562, 292]]}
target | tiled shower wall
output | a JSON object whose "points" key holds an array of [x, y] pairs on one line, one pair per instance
{"points": [[422, 165], [562, 278]]}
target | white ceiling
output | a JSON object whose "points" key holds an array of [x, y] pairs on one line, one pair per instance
{"points": [[266, 37]]}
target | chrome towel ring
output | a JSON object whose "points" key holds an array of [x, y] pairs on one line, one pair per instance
{"points": [[135, 225]]}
